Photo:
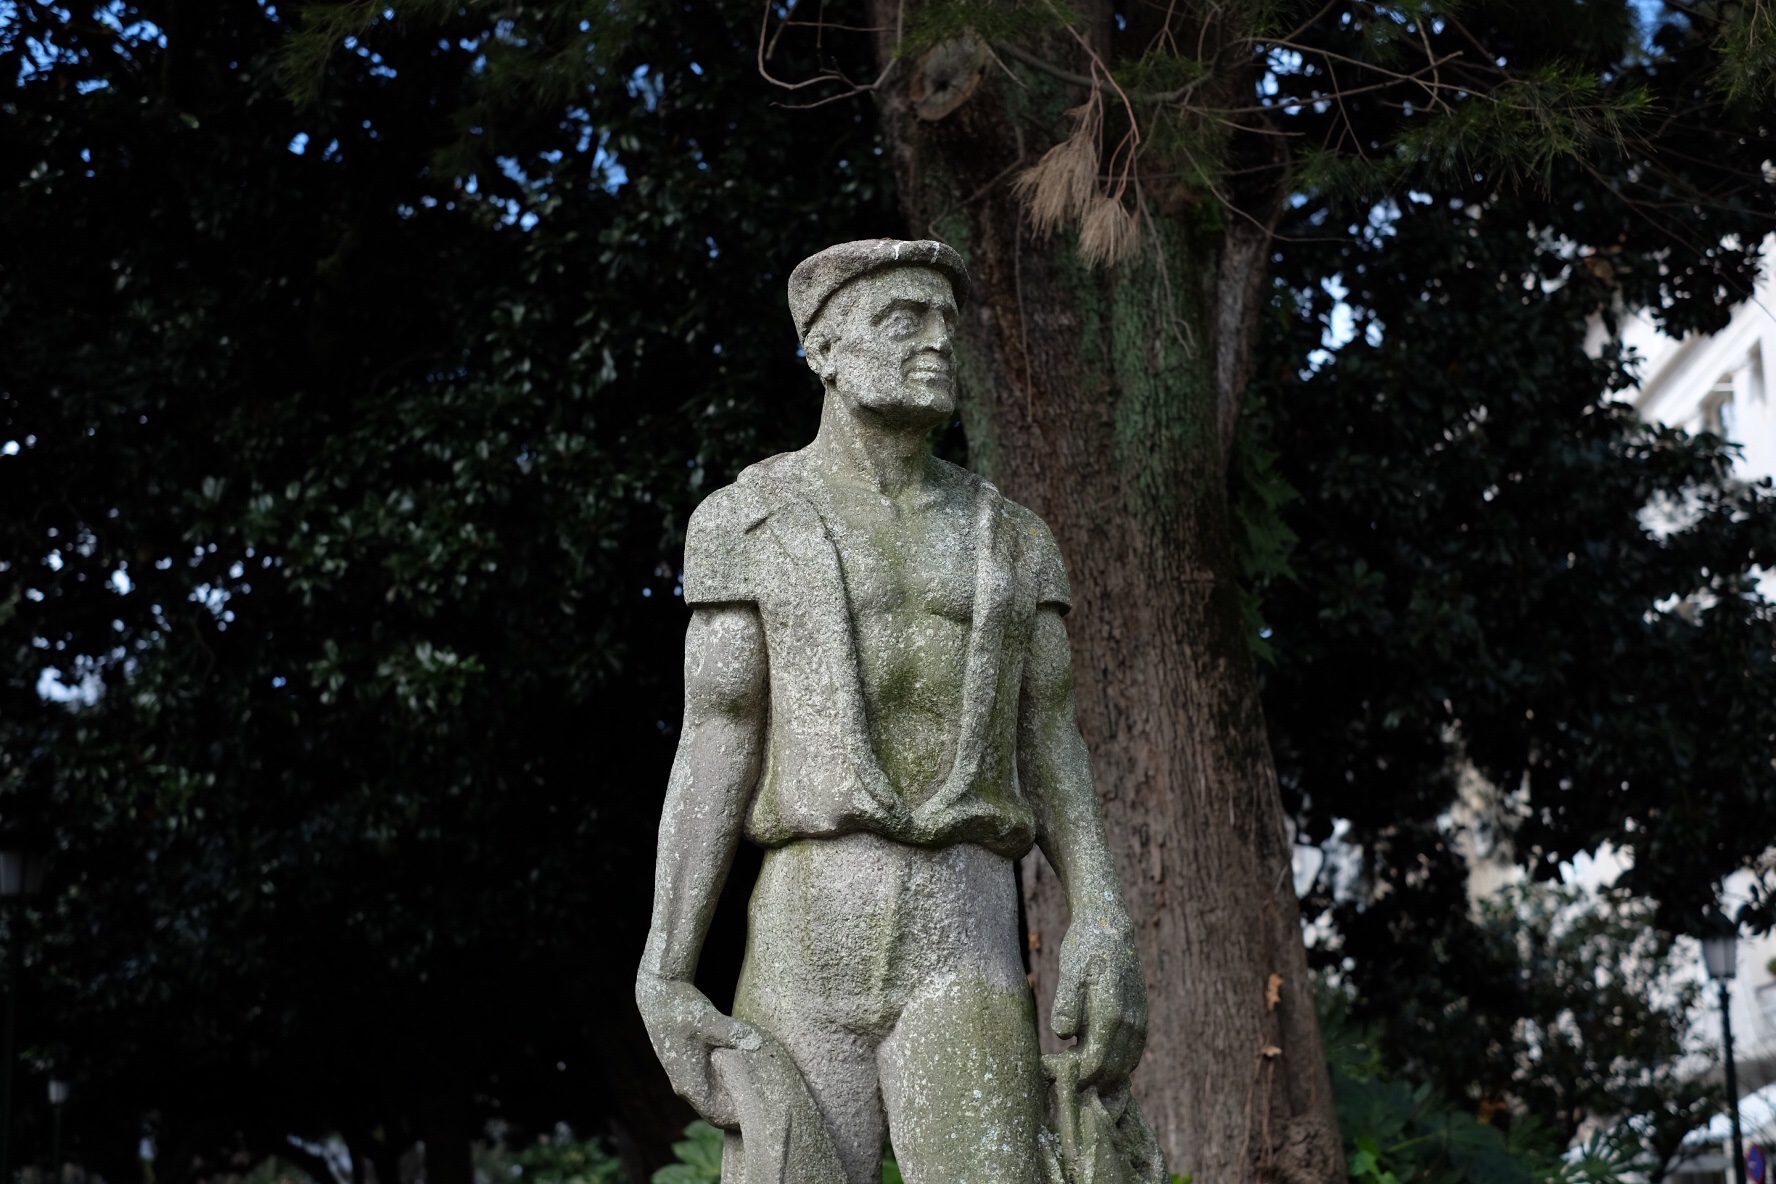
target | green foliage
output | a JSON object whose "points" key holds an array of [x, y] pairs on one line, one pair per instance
{"points": [[1605, 1019], [1400, 1132], [350, 480], [1396, 1132], [1365, 1164], [1598, 1030], [1746, 42], [1475, 590], [1262, 539], [991, 20], [270, 1170], [1524, 127], [531, 58], [1515, 130], [355, 494], [699, 1158], [1157, 73], [325, 27], [566, 1160], [1474, 584], [1244, 105], [582, 39]]}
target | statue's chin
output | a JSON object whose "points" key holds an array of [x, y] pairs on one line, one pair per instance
{"points": [[918, 404]]}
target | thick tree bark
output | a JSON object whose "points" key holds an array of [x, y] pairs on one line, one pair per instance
{"points": [[1105, 401]]}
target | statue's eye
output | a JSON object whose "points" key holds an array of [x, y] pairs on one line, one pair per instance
{"points": [[900, 322]]}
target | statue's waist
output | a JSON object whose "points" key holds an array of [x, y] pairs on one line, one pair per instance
{"points": [[827, 803]]}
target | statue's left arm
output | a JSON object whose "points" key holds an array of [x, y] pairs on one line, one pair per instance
{"points": [[719, 752], [1101, 996]]}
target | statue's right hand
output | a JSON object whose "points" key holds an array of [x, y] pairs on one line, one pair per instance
{"points": [[685, 1028]]}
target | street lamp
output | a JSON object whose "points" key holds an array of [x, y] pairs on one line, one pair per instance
{"points": [[1720, 953], [21, 875]]}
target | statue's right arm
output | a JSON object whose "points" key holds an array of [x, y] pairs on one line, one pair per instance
{"points": [[713, 776]]}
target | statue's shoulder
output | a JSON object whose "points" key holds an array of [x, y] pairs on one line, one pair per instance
{"points": [[1039, 562], [1039, 556], [720, 548]]}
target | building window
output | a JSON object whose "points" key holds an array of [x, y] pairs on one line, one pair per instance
{"points": [[1766, 1007], [1717, 408]]}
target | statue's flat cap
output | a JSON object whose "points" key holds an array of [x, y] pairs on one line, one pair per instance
{"points": [[817, 277]]}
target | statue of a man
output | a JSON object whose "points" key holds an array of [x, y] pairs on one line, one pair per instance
{"points": [[878, 691]]}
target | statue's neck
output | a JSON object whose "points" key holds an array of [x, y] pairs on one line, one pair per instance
{"points": [[856, 448]]}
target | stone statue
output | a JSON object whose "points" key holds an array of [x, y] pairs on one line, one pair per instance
{"points": [[878, 691]]}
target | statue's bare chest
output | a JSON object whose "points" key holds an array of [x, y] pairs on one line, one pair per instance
{"points": [[904, 562], [909, 579]]}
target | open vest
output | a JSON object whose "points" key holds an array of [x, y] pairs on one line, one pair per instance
{"points": [[764, 540]]}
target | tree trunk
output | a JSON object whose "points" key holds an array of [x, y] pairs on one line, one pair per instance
{"points": [[1105, 400]]}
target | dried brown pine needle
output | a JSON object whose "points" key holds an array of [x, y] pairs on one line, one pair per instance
{"points": [[1108, 233], [1059, 188]]}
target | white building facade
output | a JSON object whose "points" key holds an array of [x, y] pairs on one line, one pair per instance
{"points": [[1721, 383], [1725, 383]]}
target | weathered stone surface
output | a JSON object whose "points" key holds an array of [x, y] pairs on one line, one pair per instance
{"points": [[817, 277], [878, 691]]}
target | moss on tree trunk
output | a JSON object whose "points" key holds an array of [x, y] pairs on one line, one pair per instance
{"points": [[1103, 400]]}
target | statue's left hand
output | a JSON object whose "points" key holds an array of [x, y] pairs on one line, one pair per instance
{"points": [[1102, 998], [686, 1029]]}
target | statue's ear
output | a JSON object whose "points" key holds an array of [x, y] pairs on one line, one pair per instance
{"points": [[818, 349]]}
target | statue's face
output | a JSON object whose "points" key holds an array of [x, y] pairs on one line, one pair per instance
{"points": [[883, 346]]}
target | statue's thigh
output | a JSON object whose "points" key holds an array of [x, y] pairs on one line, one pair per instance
{"points": [[962, 1081], [838, 1065]]}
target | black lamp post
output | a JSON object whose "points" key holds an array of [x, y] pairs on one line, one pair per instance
{"points": [[1720, 954], [21, 874]]}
